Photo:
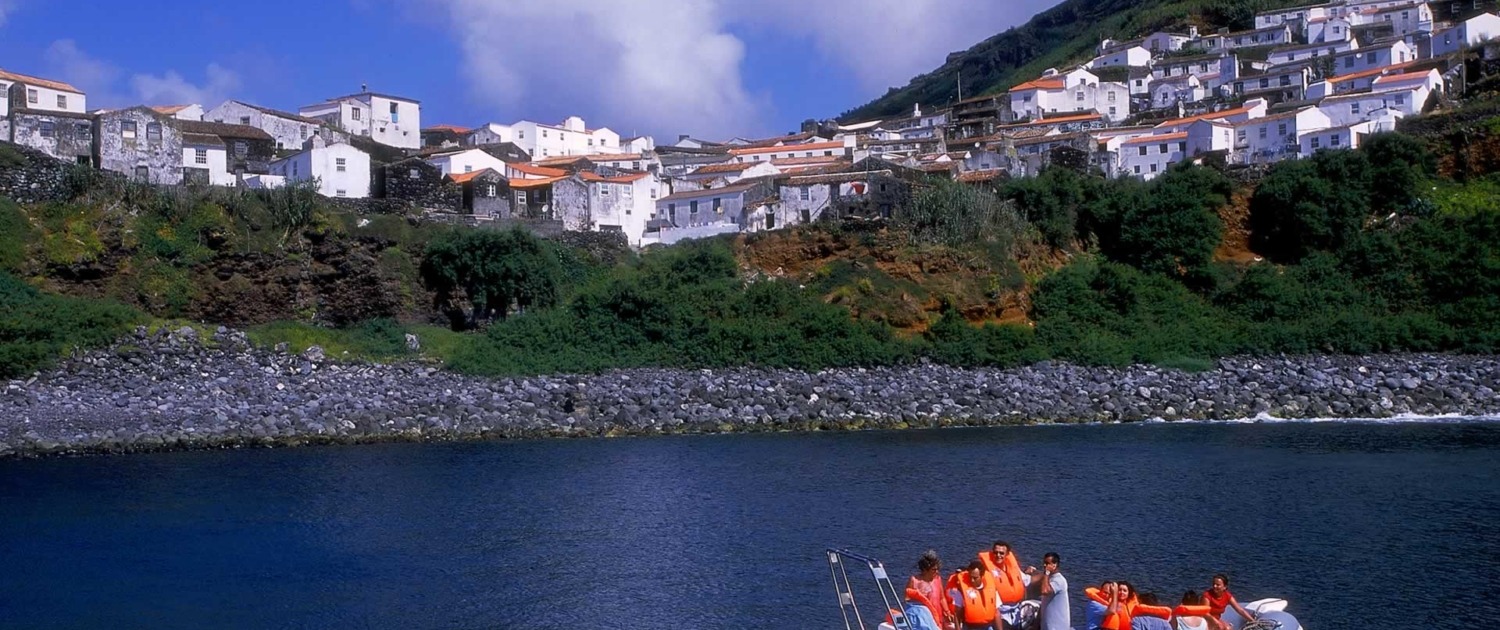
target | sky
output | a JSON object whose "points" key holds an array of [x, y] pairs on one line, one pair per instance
{"points": [[712, 69]]}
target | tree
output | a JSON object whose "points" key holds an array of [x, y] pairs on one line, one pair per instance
{"points": [[950, 213], [1318, 204], [1052, 201], [1178, 227], [497, 272]]}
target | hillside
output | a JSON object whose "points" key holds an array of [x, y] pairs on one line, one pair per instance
{"points": [[1060, 35]]}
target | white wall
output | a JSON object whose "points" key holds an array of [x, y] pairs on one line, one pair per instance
{"points": [[1347, 110], [395, 122], [351, 178], [215, 159], [1279, 57], [1372, 57], [466, 162], [1471, 32], [45, 99], [767, 154], [1134, 56], [1332, 139], [1159, 153], [4, 104]]}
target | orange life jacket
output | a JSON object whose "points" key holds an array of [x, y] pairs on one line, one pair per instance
{"points": [[938, 603], [1147, 610], [1007, 575], [1184, 610], [1118, 620], [981, 601]]}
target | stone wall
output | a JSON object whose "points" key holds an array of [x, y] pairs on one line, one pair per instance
{"points": [[570, 203], [30, 176], [67, 137], [417, 182], [152, 143], [370, 205]]}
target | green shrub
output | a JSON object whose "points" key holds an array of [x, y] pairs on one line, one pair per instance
{"points": [[36, 327]]}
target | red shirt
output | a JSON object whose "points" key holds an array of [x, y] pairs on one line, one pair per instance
{"points": [[1217, 605]]}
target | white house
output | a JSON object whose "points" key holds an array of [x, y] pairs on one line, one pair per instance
{"points": [[1372, 56], [1163, 42], [1077, 91], [1329, 30], [1206, 136], [731, 172], [1148, 156], [290, 130], [1405, 19], [1251, 109], [1305, 52], [35, 93], [1293, 79], [643, 161], [541, 140], [341, 169], [1178, 89], [1130, 56], [1466, 34], [1274, 138], [1297, 18], [1333, 138], [1352, 108], [461, 161], [1362, 80], [623, 203], [1274, 35], [390, 120], [811, 149], [206, 152]]}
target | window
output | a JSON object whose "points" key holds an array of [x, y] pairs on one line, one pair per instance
{"points": [[413, 174], [1239, 134], [653, 193], [591, 142], [395, 114], [83, 130], [354, 113], [1263, 133], [200, 156], [1111, 97], [1153, 167], [635, 166], [1143, 149], [805, 193], [544, 133], [294, 169], [671, 209], [127, 129], [340, 193], [48, 129], [1265, 83], [521, 135], [303, 130], [1286, 80], [604, 190], [1400, 99], [1112, 111], [1354, 107], [244, 120], [1182, 146], [339, 165], [491, 190], [241, 148], [468, 168], [1333, 140], [31, 96], [1315, 143], [1079, 96], [1138, 169], [1162, 148], [521, 197], [62, 101], [1349, 61], [1281, 129], [143, 173], [153, 133], [693, 207], [718, 206]]}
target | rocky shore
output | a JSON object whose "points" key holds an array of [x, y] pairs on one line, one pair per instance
{"points": [[175, 390]]}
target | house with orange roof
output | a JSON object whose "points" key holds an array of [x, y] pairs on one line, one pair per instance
{"points": [[843, 147], [710, 175], [465, 161], [1348, 136], [1329, 29], [1146, 157], [1253, 108], [486, 194], [1383, 107], [191, 111], [1076, 92], [1274, 137], [41, 95], [705, 213], [620, 202], [443, 136]]}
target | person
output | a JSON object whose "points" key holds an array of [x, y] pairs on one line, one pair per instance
{"points": [[1149, 614], [928, 583], [1055, 614], [918, 612], [1102, 611], [977, 599], [1192, 613], [1220, 599], [1000, 560]]}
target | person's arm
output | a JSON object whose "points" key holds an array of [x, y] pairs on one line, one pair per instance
{"points": [[1235, 604], [1047, 585]]}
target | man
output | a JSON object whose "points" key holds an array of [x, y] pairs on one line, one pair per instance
{"points": [[1098, 605], [1055, 615], [1010, 580], [1149, 614], [977, 599]]}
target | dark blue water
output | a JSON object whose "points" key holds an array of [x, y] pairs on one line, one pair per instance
{"points": [[1354, 523]]}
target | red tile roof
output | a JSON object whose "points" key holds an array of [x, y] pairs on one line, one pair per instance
{"points": [[459, 178], [811, 146], [1166, 137], [618, 179], [1209, 116], [452, 128], [39, 82], [729, 167], [537, 170], [1370, 73], [1045, 83], [168, 110], [527, 184]]}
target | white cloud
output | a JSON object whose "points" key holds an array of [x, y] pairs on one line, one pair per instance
{"points": [[101, 80], [172, 89], [669, 66], [646, 65], [7, 7]]}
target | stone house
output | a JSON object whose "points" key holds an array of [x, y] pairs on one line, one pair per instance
{"points": [[66, 136], [621, 201], [140, 143], [414, 180], [250, 150], [443, 136], [288, 130], [181, 112], [486, 193], [562, 198]]}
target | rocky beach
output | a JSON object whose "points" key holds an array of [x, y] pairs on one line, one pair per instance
{"points": [[170, 390]]}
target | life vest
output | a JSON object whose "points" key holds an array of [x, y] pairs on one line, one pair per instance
{"points": [[1007, 575], [1147, 610], [937, 602], [1118, 620], [1184, 610], [1217, 605], [980, 601]]}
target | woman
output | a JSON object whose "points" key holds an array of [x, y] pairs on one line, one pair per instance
{"points": [[1190, 614], [929, 583], [1220, 599]]}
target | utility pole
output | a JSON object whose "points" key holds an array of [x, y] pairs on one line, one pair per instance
{"points": [[960, 84]]}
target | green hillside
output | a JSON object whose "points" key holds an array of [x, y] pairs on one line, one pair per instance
{"points": [[1060, 35]]}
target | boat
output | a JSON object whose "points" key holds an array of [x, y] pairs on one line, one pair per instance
{"points": [[1270, 613]]}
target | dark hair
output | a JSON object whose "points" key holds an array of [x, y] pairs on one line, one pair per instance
{"points": [[1148, 599], [1051, 556], [1129, 586], [975, 565], [1221, 576], [1192, 598], [928, 561], [1001, 543], [1106, 583]]}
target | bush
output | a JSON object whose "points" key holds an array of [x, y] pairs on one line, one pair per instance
{"points": [[496, 272], [36, 328]]}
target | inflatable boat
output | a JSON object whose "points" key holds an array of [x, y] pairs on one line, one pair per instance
{"points": [[1270, 614]]}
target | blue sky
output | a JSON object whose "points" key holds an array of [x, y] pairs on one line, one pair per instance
{"points": [[711, 68]]}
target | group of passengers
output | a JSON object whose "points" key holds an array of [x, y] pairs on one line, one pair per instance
{"points": [[989, 592]]}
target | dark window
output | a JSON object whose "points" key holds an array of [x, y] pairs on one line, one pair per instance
{"points": [[48, 129], [62, 101], [200, 156], [339, 165], [153, 132], [1143, 149], [241, 148], [142, 173], [127, 128], [83, 130], [244, 120], [718, 205], [693, 207]]}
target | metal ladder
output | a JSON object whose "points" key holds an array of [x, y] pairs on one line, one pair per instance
{"points": [[838, 561]]}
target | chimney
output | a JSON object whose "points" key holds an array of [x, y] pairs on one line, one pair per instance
{"points": [[364, 87], [682, 136]]}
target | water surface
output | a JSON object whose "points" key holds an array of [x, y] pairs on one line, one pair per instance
{"points": [[1351, 522]]}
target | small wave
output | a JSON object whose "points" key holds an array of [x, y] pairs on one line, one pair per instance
{"points": [[1405, 418]]}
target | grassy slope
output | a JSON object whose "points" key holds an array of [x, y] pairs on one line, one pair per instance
{"points": [[1056, 37]]}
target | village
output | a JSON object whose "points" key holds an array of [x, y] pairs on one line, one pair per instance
{"points": [[1304, 80]]}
